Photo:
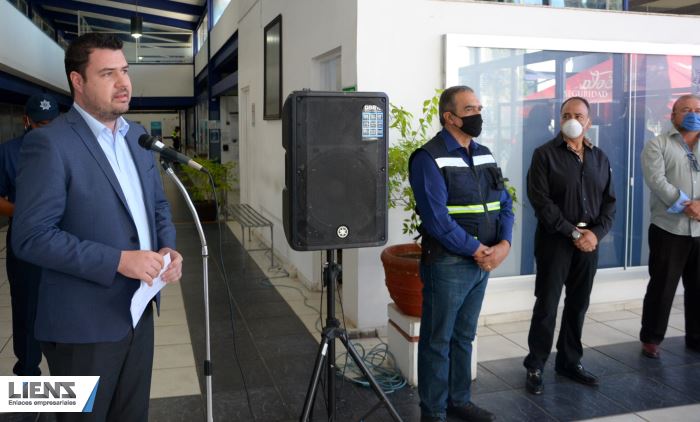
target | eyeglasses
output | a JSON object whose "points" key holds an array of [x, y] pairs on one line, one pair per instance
{"points": [[693, 161]]}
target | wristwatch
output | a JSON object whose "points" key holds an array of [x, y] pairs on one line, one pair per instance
{"points": [[576, 235]]}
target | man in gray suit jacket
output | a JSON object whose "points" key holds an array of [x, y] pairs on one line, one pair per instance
{"points": [[91, 212]]}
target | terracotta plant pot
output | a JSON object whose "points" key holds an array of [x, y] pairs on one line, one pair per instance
{"points": [[401, 269]]}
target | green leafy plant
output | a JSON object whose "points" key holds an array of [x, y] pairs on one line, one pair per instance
{"points": [[413, 135], [199, 186], [511, 191]]}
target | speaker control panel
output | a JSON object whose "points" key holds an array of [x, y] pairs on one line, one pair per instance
{"points": [[372, 123]]}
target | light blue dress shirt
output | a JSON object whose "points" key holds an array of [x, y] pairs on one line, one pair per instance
{"points": [[119, 157]]}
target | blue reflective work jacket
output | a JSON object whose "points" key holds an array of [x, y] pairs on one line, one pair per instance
{"points": [[473, 193]]}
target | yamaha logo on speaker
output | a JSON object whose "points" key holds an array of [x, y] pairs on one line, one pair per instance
{"points": [[342, 232]]}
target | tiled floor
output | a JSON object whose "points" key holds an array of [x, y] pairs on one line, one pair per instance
{"points": [[262, 372], [632, 388]]}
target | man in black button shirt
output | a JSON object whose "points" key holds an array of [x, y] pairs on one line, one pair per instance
{"points": [[569, 185]]}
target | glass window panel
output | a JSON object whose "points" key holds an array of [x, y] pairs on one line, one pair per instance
{"points": [[631, 97], [202, 32], [522, 91]]}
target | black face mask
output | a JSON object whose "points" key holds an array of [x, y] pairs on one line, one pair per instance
{"points": [[471, 125]]}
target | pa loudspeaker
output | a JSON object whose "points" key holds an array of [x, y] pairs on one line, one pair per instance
{"points": [[335, 194]]}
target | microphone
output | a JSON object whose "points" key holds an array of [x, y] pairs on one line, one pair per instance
{"points": [[154, 144]]}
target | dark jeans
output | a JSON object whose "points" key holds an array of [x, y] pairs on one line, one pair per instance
{"points": [[670, 258], [124, 368], [24, 290], [559, 264], [453, 290]]}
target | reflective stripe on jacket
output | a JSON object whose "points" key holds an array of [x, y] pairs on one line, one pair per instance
{"points": [[473, 190]]}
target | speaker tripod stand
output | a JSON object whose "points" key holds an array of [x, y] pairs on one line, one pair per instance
{"points": [[326, 353]]}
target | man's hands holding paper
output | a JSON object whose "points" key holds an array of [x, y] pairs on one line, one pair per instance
{"points": [[146, 265], [174, 271]]}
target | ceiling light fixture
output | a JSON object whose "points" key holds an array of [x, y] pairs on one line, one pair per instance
{"points": [[137, 24]]}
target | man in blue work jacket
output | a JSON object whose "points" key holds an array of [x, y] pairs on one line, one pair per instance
{"points": [[467, 223], [23, 276]]}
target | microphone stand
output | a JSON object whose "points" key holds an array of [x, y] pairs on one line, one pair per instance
{"points": [[205, 274]]}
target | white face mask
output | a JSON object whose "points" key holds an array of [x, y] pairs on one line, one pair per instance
{"points": [[572, 129]]}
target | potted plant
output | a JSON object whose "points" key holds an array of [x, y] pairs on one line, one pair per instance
{"points": [[199, 187], [402, 261]]}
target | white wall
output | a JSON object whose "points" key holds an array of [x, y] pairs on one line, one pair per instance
{"points": [[27, 52], [161, 80], [201, 59], [310, 28]]}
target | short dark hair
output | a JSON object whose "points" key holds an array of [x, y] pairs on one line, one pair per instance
{"points": [[78, 52], [447, 100], [583, 100]]}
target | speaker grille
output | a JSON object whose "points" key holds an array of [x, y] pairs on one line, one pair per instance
{"points": [[336, 178]]}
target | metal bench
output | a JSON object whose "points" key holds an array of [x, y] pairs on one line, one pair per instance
{"points": [[249, 219]]}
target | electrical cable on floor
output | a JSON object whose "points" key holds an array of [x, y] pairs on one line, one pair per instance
{"points": [[318, 325], [306, 300], [379, 361], [381, 364], [224, 274], [265, 282], [340, 369], [278, 269]]}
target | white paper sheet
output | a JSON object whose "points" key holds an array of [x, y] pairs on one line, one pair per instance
{"points": [[145, 293]]}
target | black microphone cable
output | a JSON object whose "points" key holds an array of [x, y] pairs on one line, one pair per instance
{"points": [[224, 275], [167, 156]]}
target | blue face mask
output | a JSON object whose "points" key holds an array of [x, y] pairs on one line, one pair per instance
{"points": [[691, 122]]}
